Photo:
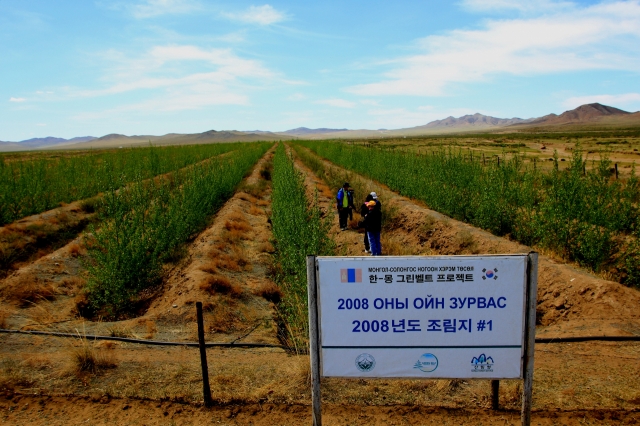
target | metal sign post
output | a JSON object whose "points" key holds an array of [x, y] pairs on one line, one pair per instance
{"points": [[434, 317]]}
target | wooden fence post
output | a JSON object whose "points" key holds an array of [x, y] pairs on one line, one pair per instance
{"points": [[495, 394], [206, 389], [616, 166]]}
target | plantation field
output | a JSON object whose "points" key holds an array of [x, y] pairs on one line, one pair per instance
{"points": [[231, 229], [619, 146], [581, 215]]}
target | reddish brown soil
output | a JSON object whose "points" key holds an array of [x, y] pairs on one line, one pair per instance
{"points": [[101, 410], [35, 236]]}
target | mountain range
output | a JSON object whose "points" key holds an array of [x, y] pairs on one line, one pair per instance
{"points": [[592, 115]]}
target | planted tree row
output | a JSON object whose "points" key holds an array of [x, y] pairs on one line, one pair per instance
{"points": [[146, 223], [298, 230], [581, 214], [36, 185]]}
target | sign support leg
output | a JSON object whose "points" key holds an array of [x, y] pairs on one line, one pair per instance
{"points": [[314, 341], [530, 337]]}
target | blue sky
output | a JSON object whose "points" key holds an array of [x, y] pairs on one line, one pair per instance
{"points": [[81, 67]]}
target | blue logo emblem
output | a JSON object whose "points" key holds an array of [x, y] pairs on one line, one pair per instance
{"points": [[482, 364], [427, 363], [490, 274], [365, 362]]}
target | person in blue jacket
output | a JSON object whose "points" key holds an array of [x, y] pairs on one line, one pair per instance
{"points": [[373, 224], [344, 202]]}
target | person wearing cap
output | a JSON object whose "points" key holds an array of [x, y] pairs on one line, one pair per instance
{"points": [[373, 224], [344, 202]]}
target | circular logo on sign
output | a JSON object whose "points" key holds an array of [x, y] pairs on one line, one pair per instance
{"points": [[365, 362], [427, 363]]}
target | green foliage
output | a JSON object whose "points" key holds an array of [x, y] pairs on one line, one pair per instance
{"points": [[147, 221], [32, 186], [298, 230], [574, 212]]}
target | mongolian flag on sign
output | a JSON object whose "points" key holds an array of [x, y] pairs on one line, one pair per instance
{"points": [[351, 275]]}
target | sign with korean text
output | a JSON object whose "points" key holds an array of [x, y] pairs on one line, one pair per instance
{"points": [[430, 317]]}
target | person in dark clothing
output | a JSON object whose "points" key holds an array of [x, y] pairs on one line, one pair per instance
{"points": [[364, 210], [344, 202], [352, 208], [373, 225]]}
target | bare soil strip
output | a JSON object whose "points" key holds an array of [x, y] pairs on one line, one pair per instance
{"points": [[101, 410]]}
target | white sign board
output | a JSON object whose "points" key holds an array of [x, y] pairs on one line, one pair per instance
{"points": [[429, 317]]}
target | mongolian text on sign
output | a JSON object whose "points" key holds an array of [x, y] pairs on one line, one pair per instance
{"points": [[431, 317]]}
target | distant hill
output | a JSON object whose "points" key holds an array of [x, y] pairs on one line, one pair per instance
{"points": [[115, 140], [585, 116], [476, 120], [300, 131], [36, 143], [588, 113]]}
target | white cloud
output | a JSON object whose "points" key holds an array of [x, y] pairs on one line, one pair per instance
{"points": [[604, 36], [12, 99], [296, 97], [153, 8], [161, 67], [178, 77], [338, 103], [261, 15], [525, 6], [611, 100], [370, 102]]}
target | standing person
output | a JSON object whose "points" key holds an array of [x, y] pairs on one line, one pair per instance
{"points": [[352, 208], [364, 210], [344, 204], [373, 225]]}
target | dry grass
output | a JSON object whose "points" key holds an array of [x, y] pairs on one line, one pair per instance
{"points": [[246, 197], [70, 285], [151, 328], [466, 242], [236, 260], [393, 245], [76, 250], [210, 267], [3, 318], [255, 211], [224, 315], [14, 375], [428, 225], [269, 291], [87, 359], [266, 247], [30, 290], [242, 226], [219, 284], [119, 330], [256, 190]]}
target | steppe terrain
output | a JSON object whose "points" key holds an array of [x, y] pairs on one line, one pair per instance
{"points": [[229, 267]]}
